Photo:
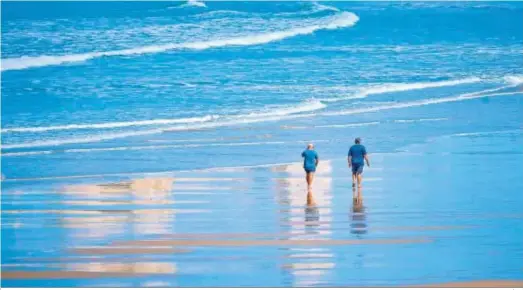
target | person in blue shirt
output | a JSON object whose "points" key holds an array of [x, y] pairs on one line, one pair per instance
{"points": [[357, 153], [310, 162]]}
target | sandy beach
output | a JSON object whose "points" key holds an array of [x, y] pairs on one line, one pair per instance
{"points": [[162, 229]]}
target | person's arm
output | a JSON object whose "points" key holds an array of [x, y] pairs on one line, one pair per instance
{"points": [[366, 157], [317, 159], [349, 158]]}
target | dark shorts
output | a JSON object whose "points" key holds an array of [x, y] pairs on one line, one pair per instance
{"points": [[309, 170], [357, 168]]}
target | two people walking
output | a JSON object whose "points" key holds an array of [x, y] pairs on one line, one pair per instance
{"points": [[356, 157]]}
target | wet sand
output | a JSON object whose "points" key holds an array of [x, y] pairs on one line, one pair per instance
{"points": [[477, 284], [222, 225], [280, 243]]}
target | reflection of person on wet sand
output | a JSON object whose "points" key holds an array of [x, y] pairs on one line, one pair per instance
{"points": [[310, 199], [357, 153], [311, 214], [357, 197], [310, 162], [358, 224], [143, 187], [312, 218]]}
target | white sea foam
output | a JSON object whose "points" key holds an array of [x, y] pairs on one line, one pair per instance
{"points": [[424, 102], [348, 125], [112, 124], [514, 80], [185, 84], [345, 98], [26, 153], [471, 134], [195, 3], [341, 20], [418, 86], [269, 114], [314, 8], [190, 3], [320, 7], [237, 121], [401, 87], [421, 120], [265, 117], [280, 113], [184, 140], [89, 139], [311, 105], [222, 12], [352, 125]]}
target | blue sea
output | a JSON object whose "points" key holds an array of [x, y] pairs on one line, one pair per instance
{"points": [[224, 96]]}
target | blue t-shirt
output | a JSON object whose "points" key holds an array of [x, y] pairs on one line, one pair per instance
{"points": [[309, 161], [357, 152]]}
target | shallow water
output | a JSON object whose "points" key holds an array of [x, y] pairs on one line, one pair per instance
{"points": [[158, 144]]}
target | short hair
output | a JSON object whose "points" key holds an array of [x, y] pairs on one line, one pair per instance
{"points": [[357, 140], [310, 146]]}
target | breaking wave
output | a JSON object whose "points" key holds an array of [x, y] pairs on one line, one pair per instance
{"points": [[303, 110], [401, 87], [341, 20], [111, 124], [514, 80], [424, 102]]}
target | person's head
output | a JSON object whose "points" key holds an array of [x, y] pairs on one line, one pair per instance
{"points": [[310, 146], [357, 140]]}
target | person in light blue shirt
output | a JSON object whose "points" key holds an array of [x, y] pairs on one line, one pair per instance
{"points": [[310, 162], [357, 154]]}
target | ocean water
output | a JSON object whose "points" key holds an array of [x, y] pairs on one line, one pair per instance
{"points": [[100, 91]]}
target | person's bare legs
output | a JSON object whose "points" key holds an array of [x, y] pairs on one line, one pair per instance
{"points": [[360, 179], [310, 178], [353, 180]]}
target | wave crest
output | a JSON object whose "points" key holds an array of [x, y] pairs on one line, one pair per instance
{"points": [[311, 105], [341, 20], [269, 114], [401, 87], [190, 3], [195, 3], [112, 125], [514, 80], [480, 94]]}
